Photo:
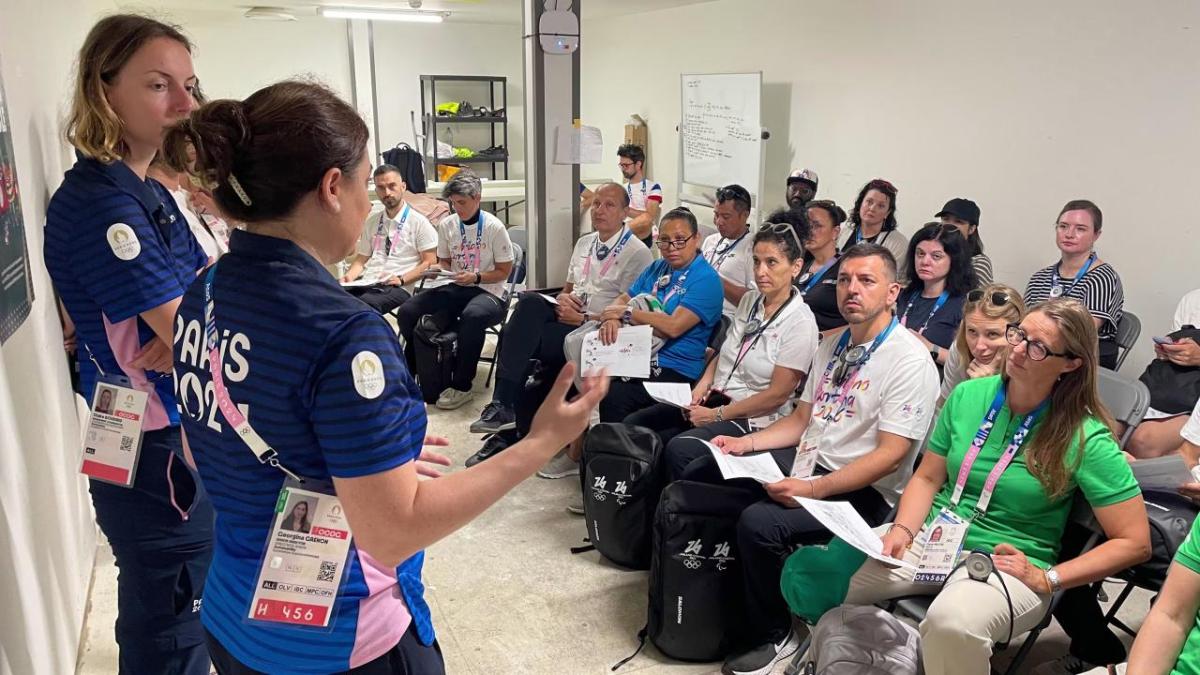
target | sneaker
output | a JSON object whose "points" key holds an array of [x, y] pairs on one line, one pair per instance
{"points": [[576, 505], [452, 399], [1065, 665], [492, 446], [761, 660], [496, 417], [560, 466]]}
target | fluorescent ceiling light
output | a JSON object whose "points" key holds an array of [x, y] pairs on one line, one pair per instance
{"points": [[380, 15], [269, 14]]}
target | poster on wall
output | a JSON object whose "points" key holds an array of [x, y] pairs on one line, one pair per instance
{"points": [[16, 287]]}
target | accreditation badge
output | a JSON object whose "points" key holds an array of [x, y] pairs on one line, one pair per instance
{"points": [[944, 539], [806, 454], [113, 441], [304, 564]]}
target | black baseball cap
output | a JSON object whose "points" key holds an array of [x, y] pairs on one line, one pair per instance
{"points": [[962, 208]]}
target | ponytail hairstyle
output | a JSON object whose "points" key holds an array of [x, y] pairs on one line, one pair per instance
{"points": [[262, 155]]}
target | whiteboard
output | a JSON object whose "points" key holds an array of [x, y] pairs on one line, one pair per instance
{"points": [[721, 130]]}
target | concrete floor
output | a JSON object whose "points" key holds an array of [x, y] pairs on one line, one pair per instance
{"points": [[509, 597]]}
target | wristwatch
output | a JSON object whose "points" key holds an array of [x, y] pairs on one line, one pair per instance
{"points": [[721, 414], [478, 278], [1053, 579], [934, 353], [627, 316]]}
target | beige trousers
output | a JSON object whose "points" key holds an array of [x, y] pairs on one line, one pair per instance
{"points": [[966, 618]]}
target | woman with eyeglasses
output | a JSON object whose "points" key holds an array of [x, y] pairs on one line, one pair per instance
{"points": [[1081, 274], [818, 275], [680, 297], [982, 343], [940, 276], [874, 220], [1008, 457], [765, 355]]}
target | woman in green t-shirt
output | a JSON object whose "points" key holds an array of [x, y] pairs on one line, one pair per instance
{"points": [[1049, 440]]}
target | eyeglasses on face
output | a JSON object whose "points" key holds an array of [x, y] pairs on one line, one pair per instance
{"points": [[625, 165], [676, 244], [1036, 350], [998, 298]]}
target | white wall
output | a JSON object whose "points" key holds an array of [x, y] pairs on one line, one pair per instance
{"points": [[1019, 105], [47, 534]]}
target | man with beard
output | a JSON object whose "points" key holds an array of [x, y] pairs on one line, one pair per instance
{"points": [[801, 187]]}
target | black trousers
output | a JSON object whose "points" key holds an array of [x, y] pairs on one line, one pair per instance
{"points": [[686, 449], [1080, 614], [626, 396], [408, 657], [476, 311], [532, 332], [160, 531], [382, 298]]}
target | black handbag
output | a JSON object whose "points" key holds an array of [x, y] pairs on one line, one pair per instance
{"points": [[1174, 389]]}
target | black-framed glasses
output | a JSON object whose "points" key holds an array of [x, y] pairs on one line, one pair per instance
{"points": [[1036, 350], [676, 244], [998, 298], [781, 229]]}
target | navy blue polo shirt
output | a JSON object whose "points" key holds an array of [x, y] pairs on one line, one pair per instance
{"points": [[320, 376], [117, 246]]}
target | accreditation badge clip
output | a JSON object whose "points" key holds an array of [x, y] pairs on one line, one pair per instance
{"points": [[944, 538], [113, 442]]}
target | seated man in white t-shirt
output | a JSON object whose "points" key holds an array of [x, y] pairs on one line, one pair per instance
{"points": [[604, 265], [852, 437], [729, 250], [473, 246], [397, 245], [1158, 433]]}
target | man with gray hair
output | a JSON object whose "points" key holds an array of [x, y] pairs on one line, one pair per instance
{"points": [[474, 248]]}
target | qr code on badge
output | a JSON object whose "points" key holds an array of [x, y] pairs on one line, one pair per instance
{"points": [[327, 571], [127, 443]]}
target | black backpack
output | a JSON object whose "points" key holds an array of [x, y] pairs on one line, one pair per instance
{"points": [[436, 351], [696, 586], [622, 476], [408, 160]]}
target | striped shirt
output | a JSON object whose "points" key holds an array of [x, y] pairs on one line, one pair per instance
{"points": [[1099, 290], [117, 246], [982, 265], [294, 349]]}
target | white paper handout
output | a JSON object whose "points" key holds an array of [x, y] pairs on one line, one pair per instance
{"points": [[548, 298], [760, 467], [678, 394], [361, 281], [629, 356], [843, 521]]}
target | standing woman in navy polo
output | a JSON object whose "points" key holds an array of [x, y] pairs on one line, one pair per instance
{"points": [[120, 255], [283, 374]]}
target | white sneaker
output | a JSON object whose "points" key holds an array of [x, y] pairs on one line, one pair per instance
{"points": [[575, 506], [560, 466], [1064, 665], [452, 399]]}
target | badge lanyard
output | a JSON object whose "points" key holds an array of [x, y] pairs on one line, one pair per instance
{"points": [[754, 332], [607, 256], [471, 259], [1056, 288], [629, 191], [389, 239], [981, 437], [813, 278], [665, 280], [843, 342], [719, 256], [858, 236], [936, 306]]}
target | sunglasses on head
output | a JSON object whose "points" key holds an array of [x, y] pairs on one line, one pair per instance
{"points": [[780, 229], [998, 298]]}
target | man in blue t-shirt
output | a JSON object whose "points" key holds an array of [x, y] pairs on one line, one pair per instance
{"points": [[689, 292]]}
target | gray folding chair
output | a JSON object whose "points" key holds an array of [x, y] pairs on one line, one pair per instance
{"points": [[1128, 330], [1127, 400]]}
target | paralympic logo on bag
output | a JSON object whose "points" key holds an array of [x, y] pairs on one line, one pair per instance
{"points": [[693, 555], [601, 493]]}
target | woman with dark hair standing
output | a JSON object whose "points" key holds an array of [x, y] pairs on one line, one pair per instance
{"points": [[822, 260], [874, 220], [310, 398], [120, 254], [940, 275]]}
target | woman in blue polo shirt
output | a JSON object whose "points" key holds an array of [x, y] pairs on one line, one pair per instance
{"points": [[690, 294], [282, 374], [120, 255]]}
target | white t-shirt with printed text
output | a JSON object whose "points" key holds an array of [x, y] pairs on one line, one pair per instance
{"points": [[895, 391], [456, 242], [620, 268], [733, 260], [410, 233]]}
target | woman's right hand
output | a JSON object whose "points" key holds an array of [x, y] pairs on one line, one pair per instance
{"points": [[559, 421], [608, 331], [896, 543], [731, 445]]}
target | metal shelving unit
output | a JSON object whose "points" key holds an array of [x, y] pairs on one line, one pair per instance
{"points": [[496, 96]]}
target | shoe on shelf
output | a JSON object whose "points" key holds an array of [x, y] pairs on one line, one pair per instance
{"points": [[1064, 665], [575, 506], [762, 659], [492, 446], [560, 466], [453, 399], [496, 417]]}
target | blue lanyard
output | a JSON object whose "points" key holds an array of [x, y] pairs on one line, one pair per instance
{"points": [[718, 256], [629, 190], [936, 306], [660, 285], [379, 231], [614, 253], [815, 277], [844, 342], [858, 235], [981, 436], [1057, 282], [462, 231]]}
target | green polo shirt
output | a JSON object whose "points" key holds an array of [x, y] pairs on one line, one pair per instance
{"points": [[1188, 556], [1021, 513]]}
